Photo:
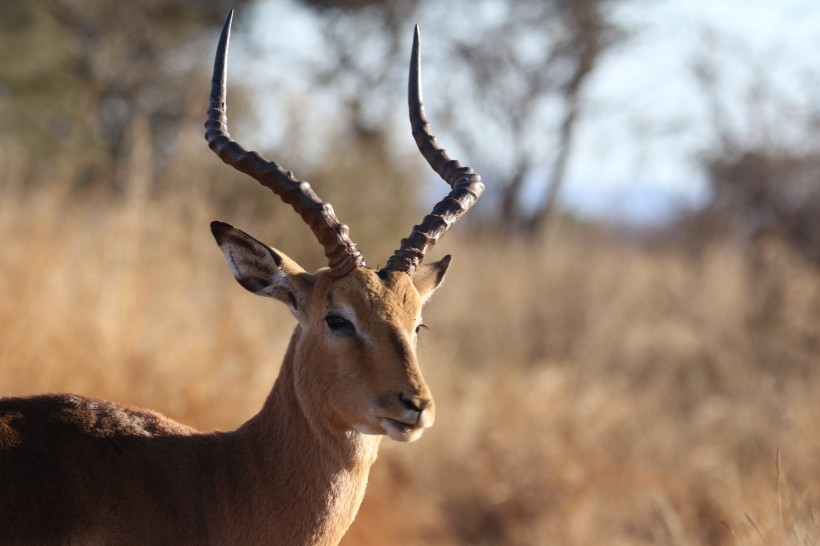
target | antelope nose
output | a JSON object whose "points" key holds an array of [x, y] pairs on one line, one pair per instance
{"points": [[418, 405], [415, 403]]}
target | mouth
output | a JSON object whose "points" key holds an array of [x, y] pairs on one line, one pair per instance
{"points": [[401, 431]]}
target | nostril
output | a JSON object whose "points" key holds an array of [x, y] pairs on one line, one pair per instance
{"points": [[415, 403]]}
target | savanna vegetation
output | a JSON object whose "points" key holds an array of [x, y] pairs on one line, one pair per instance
{"points": [[594, 385]]}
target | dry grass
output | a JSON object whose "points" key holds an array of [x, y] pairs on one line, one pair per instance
{"points": [[588, 392]]}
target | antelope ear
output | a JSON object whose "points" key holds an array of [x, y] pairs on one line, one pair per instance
{"points": [[428, 277], [259, 268]]}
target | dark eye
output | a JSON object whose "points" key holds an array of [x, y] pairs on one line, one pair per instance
{"points": [[339, 324], [419, 328]]}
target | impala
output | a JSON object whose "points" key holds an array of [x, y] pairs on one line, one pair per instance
{"points": [[79, 471]]}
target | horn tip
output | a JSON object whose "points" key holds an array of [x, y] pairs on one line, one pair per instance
{"points": [[226, 28], [225, 35]]}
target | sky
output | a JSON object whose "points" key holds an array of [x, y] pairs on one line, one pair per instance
{"points": [[636, 151], [647, 122]]}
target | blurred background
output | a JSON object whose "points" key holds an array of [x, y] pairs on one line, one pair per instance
{"points": [[626, 348]]}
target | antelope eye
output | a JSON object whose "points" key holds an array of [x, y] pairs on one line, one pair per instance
{"points": [[339, 324]]}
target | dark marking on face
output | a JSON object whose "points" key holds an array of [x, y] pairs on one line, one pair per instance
{"points": [[360, 348], [399, 345]]}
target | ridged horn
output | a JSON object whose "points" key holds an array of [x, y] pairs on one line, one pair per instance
{"points": [[340, 251], [466, 185]]}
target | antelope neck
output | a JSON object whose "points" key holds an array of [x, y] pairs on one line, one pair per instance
{"points": [[314, 473]]}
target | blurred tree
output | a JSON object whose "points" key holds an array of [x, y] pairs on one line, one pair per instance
{"points": [[762, 161], [529, 89], [97, 75], [112, 97], [759, 194], [340, 129], [75, 76], [517, 76]]}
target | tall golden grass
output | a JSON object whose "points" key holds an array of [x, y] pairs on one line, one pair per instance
{"points": [[589, 391]]}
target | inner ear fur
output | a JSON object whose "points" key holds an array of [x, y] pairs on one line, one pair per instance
{"points": [[259, 268], [428, 277]]}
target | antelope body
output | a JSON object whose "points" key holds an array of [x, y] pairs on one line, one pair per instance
{"points": [[79, 471]]}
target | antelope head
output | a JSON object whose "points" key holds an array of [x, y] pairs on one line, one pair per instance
{"points": [[354, 349]]}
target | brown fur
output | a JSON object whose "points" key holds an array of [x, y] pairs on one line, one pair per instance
{"points": [[79, 471]]}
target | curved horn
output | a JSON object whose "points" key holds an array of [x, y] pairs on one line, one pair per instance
{"points": [[466, 185], [333, 235]]}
